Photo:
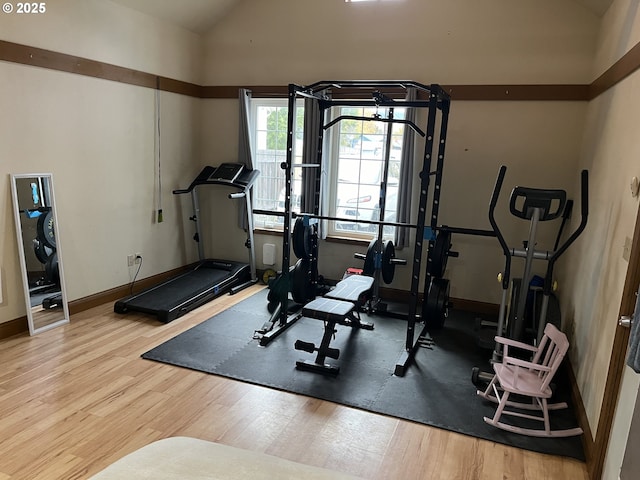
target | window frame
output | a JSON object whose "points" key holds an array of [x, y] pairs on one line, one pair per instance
{"points": [[330, 174], [273, 222], [362, 232]]}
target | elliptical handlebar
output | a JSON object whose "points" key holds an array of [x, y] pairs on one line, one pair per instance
{"points": [[584, 213], [496, 229], [550, 203]]}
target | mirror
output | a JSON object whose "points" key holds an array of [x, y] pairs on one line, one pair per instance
{"points": [[39, 248]]}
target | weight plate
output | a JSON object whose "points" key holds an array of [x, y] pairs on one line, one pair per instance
{"points": [[41, 250], [388, 268], [370, 261], [271, 306], [279, 287], [302, 241], [302, 288], [439, 254], [45, 229], [475, 376], [435, 309], [268, 274], [51, 269]]}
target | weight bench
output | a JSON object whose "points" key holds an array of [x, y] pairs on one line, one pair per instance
{"points": [[340, 306]]}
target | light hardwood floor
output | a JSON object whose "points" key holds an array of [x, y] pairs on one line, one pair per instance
{"points": [[77, 398]]}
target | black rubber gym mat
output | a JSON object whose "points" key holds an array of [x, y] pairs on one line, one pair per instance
{"points": [[436, 389]]}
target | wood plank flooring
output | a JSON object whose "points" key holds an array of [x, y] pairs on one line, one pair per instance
{"points": [[77, 398]]}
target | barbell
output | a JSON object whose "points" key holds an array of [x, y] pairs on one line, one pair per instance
{"points": [[380, 256]]}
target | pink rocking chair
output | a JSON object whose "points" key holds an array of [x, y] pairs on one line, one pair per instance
{"points": [[530, 379]]}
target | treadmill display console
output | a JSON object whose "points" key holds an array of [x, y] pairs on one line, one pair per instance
{"points": [[227, 172]]}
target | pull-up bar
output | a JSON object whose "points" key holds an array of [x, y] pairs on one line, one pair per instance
{"points": [[413, 126]]}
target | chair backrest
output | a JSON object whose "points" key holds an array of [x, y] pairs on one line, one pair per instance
{"points": [[551, 351]]}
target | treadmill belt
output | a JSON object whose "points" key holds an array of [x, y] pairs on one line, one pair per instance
{"points": [[179, 295], [180, 289]]}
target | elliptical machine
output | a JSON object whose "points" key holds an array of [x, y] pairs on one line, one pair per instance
{"points": [[535, 205]]}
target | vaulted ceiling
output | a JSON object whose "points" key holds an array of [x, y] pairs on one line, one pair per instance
{"points": [[200, 16]]}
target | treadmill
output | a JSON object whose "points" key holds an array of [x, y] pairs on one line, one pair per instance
{"points": [[209, 278]]}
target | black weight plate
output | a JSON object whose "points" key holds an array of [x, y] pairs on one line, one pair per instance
{"points": [[370, 261], [301, 239], [475, 376], [435, 310], [46, 233], [52, 272], [439, 254], [41, 250], [271, 306], [302, 288], [388, 268]]}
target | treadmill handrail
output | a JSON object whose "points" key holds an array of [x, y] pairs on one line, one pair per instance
{"points": [[244, 182]]}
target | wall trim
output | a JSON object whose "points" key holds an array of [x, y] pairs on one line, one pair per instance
{"points": [[113, 294], [20, 326], [588, 443], [62, 62], [13, 327], [38, 57], [629, 63]]}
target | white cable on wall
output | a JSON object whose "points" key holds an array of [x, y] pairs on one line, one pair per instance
{"points": [[158, 163]]}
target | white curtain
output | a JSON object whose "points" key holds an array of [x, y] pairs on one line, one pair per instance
{"points": [[245, 144], [312, 196], [309, 202], [403, 213]]}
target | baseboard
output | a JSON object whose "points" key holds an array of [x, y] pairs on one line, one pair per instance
{"points": [[13, 327], [113, 294], [581, 415], [19, 326], [404, 296]]}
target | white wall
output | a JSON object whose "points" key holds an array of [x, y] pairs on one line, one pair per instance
{"points": [[496, 42], [108, 32], [440, 41], [596, 269], [97, 138]]}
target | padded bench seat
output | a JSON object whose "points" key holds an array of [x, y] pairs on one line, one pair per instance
{"points": [[339, 306], [328, 309], [351, 288]]}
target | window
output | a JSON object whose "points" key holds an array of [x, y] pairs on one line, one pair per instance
{"points": [[270, 150], [359, 171], [355, 156]]}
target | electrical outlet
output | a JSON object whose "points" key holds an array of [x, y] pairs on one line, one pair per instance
{"points": [[138, 258], [130, 260]]}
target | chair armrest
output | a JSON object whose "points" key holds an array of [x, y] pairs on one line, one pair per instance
{"points": [[523, 363], [515, 343]]}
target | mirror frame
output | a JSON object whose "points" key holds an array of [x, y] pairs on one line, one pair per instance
{"points": [[33, 327]]}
